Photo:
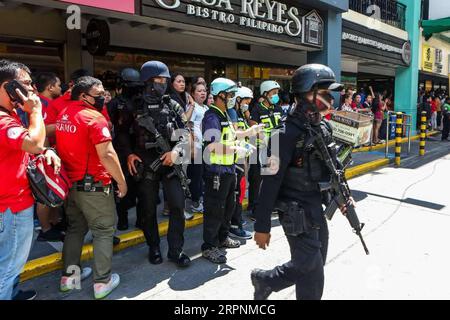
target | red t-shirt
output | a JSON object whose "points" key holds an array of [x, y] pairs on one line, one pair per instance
{"points": [[45, 103], [78, 129], [15, 190], [56, 106], [433, 106]]}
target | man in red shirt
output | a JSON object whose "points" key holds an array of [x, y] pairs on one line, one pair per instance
{"points": [[16, 199], [57, 105], [48, 87], [85, 145]]}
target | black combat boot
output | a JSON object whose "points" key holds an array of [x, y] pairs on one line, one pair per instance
{"points": [[262, 290]]}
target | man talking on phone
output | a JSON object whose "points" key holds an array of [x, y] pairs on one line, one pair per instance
{"points": [[16, 145]]}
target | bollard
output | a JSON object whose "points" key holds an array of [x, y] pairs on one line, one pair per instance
{"points": [[423, 128], [398, 138]]}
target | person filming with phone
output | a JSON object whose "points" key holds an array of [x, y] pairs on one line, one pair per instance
{"points": [[16, 145]]}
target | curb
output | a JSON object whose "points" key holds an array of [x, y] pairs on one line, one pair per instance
{"points": [[47, 264], [392, 142]]}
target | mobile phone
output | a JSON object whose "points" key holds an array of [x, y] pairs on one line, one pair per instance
{"points": [[11, 87]]}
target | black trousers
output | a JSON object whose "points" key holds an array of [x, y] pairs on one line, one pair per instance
{"points": [[305, 269], [147, 192], [195, 174], [218, 209], [129, 201], [236, 219], [439, 117], [254, 184], [446, 126]]}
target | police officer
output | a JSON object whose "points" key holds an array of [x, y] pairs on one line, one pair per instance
{"points": [[167, 116], [293, 190], [121, 110], [268, 113], [219, 139]]}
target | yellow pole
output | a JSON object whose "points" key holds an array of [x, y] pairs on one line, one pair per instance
{"points": [[423, 128], [398, 137]]}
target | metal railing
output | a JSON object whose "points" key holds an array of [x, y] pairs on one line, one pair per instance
{"points": [[391, 11], [407, 122]]}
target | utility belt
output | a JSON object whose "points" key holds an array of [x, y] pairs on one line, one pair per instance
{"points": [[88, 185], [293, 218]]}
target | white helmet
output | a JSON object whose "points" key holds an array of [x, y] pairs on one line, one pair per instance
{"points": [[268, 85], [244, 92], [222, 85]]}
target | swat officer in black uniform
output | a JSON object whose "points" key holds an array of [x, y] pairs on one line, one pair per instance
{"points": [[293, 190], [167, 116], [121, 110]]}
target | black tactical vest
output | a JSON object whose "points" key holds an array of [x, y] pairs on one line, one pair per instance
{"points": [[307, 167]]}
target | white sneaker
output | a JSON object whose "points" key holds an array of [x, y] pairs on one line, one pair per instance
{"points": [[197, 207], [188, 215], [101, 290], [69, 282]]}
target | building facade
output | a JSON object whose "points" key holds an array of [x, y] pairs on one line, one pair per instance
{"points": [[246, 40]]}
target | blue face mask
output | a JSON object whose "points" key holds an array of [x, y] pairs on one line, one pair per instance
{"points": [[275, 99]]}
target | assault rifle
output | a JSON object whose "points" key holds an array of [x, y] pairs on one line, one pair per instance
{"points": [[338, 187], [146, 122]]}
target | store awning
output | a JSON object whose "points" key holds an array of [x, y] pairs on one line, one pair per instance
{"points": [[435, 26]]}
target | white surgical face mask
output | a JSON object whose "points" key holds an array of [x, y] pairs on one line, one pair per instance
{"points": [[231, 102]]}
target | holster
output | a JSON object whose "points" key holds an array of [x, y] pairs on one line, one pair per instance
{"points": [[292, 218]]}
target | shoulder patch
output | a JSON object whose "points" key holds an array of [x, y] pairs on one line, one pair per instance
{"points": [[14, 133], [106, 133]]}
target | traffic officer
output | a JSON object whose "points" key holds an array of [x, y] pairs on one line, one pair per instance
{"points": [[167, 115], [293, 190], [244, 97], [268, 113], [121, 110], [219, 138]]}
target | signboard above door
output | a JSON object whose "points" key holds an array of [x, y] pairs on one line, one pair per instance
{"points": [[261, 18]]}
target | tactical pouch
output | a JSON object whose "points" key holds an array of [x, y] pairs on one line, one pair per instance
{"points": [[293, 219]]}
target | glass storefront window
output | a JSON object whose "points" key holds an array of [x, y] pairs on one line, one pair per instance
{"points": [[250, 75]]}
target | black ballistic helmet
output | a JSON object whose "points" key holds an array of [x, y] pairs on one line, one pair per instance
{"points": [[152, 69], [129, 77], [311, 76]]}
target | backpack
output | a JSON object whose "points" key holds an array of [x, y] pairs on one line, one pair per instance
{"points": [[48, 188]]}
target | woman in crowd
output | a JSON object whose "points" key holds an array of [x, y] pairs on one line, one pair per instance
{"points": [[433, 113], [378, 106], [347, 106], [178, 91], [195, 169], [210, 100]]}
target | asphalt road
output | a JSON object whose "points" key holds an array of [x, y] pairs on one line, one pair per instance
{"points": [[407, 218]]}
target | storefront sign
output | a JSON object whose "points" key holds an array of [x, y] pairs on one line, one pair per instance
{"points": [[97, 37], [371, 43], [406, 54], [266, 18], [115, 5], [428, 56], [437, 67], [374, 45]]}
